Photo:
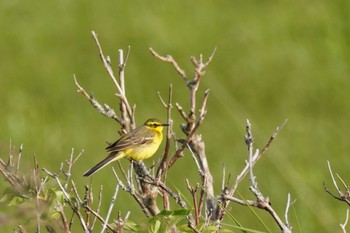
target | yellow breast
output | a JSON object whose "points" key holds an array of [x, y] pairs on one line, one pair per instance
{"points": [[147, 150]]}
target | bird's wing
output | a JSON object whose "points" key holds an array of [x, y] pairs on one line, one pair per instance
{"points": [[129, 141]]}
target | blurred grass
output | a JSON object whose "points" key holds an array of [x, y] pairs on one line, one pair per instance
{"points": [[275, 60]]}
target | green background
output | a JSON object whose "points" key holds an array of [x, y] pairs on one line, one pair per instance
{"points": [[274, 60]]}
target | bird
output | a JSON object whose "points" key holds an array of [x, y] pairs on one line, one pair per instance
{"points": [[138, 144]]}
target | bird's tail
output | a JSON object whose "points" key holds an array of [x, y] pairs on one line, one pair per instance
{"points": [[110, 158]]}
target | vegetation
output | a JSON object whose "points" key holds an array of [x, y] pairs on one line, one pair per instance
{"points": [[274, 61]]}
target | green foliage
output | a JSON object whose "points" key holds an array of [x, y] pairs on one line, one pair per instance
{"points": [[12, 198], [166, 219], [131, 226], [28, 201]]}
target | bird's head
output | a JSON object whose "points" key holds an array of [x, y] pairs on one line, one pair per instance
{"points": [[155, 124]]}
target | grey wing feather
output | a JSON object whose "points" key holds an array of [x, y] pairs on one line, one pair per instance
{"points": [[130, 141]]}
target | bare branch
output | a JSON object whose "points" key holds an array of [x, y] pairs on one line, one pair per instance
{"points": [[193, 191], [21, 229], [210, 58], [120, 222], [287, 209], [342, 226], [88, 208], [333, 179], [161, 99], [110, 209], [273, 136], [107, 64], [59, 209], [249, 140], [264, 203], [162, 168], [130, 189], [104, 110], [74, 206], [255, 158], [151, 180], [70, 163], [123, 62], [19, 156], [345, 197], [126, 111], [181, 111], [171, 60], [98, 206]]}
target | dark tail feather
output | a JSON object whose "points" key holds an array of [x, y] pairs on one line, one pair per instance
{"points": [[101, 164]]}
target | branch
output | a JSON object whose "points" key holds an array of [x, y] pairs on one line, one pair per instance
{"points": [[345, 197], [193, 191], [130, 189], [162, 168], [110, 209], [255, 158], [249, 140], [151, 180], [88, 208], [127, 118], [126, 111], [171, 60], [342, 226], [262, 202], [106, 63], [105, 110], [74, 206], [194, 128]]}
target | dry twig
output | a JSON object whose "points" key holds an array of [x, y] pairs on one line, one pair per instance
{"points": [[342, 196], [342, 226]]}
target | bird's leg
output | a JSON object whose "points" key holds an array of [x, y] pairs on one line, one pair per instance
{"points": [[140, 168]]}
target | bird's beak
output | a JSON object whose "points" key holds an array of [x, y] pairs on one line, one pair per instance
{"points": [[165, 124]]}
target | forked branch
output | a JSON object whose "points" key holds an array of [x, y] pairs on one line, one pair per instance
{"points": [[342, 195]]}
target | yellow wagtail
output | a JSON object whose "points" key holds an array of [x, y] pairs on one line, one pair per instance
{"points": [[140, 143]]}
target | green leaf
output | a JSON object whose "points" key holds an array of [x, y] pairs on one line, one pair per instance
{"points": [[185, 229], [169, 213], [17, 200], [165, 213], [182, 212], [154, 228], [131, 226], [226, 231], [7, 195]]}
